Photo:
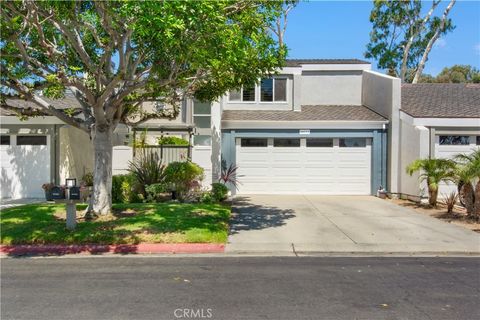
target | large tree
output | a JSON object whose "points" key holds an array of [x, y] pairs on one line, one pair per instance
{"points": [[454, 74], [403, 35], [114, 56]]}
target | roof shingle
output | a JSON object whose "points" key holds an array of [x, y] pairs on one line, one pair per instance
{"points": [[299, 62], [441, 100], [308, 113]]}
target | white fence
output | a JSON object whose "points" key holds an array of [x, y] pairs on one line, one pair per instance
{"points": [[123, 155]]}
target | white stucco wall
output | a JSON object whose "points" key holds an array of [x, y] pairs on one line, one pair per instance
{"points": [[381, 93], [415, 145], [331, 88]]}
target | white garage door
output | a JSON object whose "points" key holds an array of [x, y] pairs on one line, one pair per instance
{"points": [[447, 147], [306, 165], [25, 161]]}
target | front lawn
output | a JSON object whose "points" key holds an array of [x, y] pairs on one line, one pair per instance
{"points": [[130, 224]]}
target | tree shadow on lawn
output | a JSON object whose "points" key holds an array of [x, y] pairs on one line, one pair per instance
{"points": [[130, 225], [247, 215]]}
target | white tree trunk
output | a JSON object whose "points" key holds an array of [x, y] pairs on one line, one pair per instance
{"points": [[102, 174], [431, 42]]}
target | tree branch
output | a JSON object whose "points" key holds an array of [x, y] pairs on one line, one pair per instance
{"points": [[432, 40]]}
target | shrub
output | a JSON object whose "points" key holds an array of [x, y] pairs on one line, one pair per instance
{"points": [[450, 201], [172, 141], [229, 175], [154, 192], [147, 169], [219, 191], [184, 178], [87, 179], [124, 189], [207, 197]]}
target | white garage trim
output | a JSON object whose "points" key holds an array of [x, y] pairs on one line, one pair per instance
{"points": [[304, 169]]}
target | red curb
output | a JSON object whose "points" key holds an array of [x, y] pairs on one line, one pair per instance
{"points": [[18, 250]]}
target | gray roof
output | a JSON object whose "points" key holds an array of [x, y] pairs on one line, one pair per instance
{"points": [[299, 62], [69, 101], [308, 113], [441, 100]]}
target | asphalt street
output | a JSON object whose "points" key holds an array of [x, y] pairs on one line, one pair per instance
{"points": [[240, 288]]}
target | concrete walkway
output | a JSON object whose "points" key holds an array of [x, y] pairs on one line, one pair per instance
{"points": [[340, 224], [10, 203]]}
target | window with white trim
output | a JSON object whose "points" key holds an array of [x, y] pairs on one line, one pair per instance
{"points": [[273, 90], [454, 140], [201, 114], [202, 118], [244, 94]]}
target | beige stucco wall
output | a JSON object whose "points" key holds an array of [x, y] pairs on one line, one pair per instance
{"points": [[75, 153]]}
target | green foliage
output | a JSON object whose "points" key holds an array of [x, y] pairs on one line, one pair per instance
{"points": [[165, 222], [455, 74], [183, 177], [219, 191], [224, 42], [87, 179], [147, 168], [54, 88], [469, 163], [433, 171], [207, 197], [124, 189], [173, 141], [393, 24], [154, 191]]}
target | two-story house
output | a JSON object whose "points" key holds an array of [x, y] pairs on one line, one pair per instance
{"points": [[318, 126]]}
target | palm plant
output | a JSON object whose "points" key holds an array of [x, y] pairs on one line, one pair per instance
{"points": [[468, 175], [433, 171], [147, 169], [229, 175]]}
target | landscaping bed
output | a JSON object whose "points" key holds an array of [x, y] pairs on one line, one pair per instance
{"points": [[458, 215], [168, 222]]}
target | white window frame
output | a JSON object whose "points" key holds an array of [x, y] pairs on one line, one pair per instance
{"points": [[273, 91], [241, 96]]}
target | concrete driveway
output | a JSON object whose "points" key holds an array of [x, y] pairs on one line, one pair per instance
{"points": [[340, 224]]}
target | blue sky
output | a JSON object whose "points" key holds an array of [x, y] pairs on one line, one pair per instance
{"points": [[340, 29]]}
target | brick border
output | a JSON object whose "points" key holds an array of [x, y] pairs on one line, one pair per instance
{"points": [[141, 248]]}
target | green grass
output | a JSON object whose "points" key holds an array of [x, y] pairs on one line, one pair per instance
{"points": [[131, 224]]}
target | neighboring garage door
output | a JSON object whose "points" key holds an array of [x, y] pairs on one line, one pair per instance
{"points": [[447, 147], [25, 161], [304, 165]]}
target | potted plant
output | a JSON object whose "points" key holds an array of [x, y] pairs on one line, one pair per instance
{"points": [[47, 187]]}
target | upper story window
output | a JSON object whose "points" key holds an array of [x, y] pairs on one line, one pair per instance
{"points": [[202, 114], [246, 93], [454, 140], [478, 140], [273, 90]]}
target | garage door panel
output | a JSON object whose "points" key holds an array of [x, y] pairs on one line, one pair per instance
{"points": [[24, 169], [317, 170]]}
